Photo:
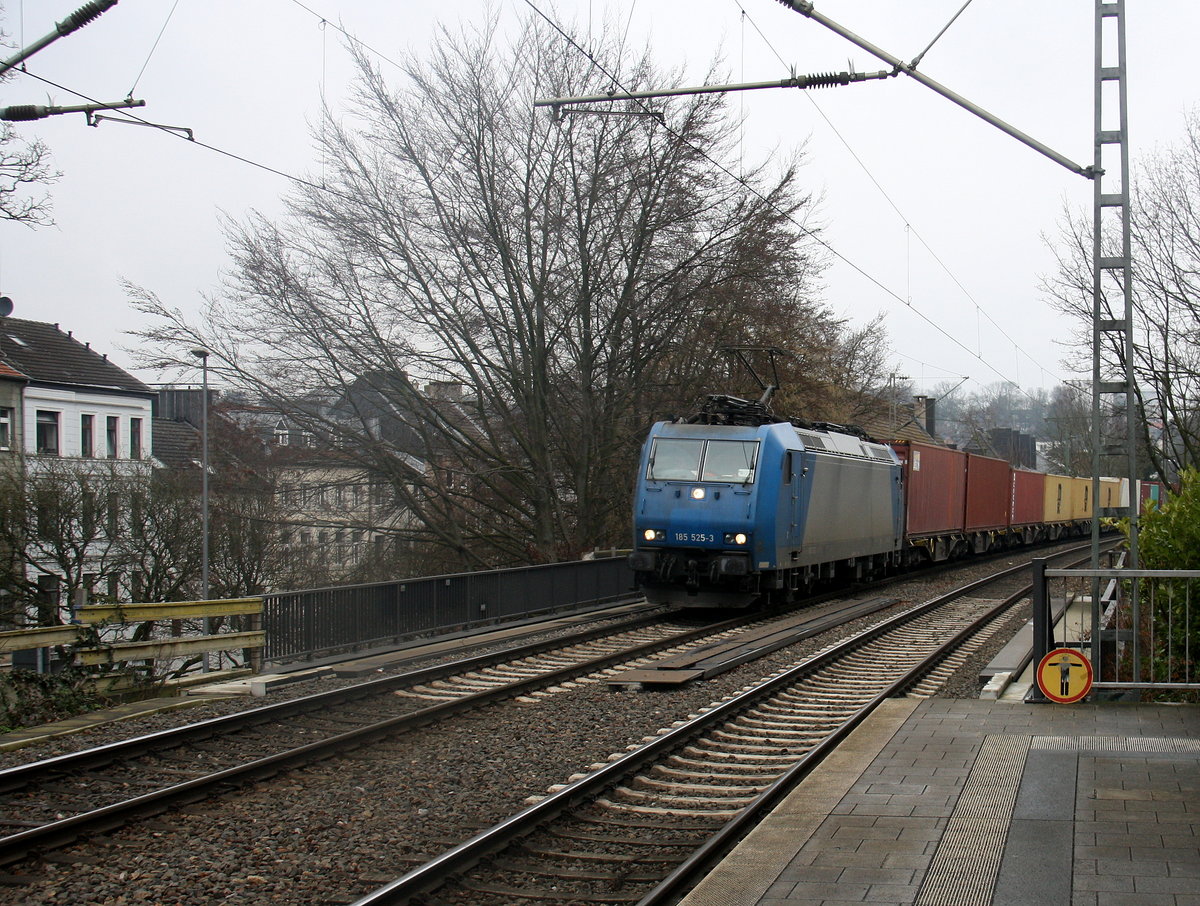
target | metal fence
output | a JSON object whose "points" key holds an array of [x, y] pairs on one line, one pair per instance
{"points": [[1139, 627], [302, 625]]}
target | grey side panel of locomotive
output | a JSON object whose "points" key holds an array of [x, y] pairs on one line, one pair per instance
{"points": [[851, 510]]}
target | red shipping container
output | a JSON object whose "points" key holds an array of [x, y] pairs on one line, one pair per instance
{"points": [[1028, 494], [935, 488], [989, 493], [1150, 493]]}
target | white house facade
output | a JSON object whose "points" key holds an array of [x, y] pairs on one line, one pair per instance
{"points": [[82, 429]]}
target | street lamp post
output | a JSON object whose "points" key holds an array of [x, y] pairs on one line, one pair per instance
{"points": [[202, 355]]}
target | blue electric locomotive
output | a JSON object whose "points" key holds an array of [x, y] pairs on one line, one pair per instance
{"points": [[734, 504]]}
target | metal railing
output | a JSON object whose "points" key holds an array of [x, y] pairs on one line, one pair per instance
{"points": [[303, 625], [1139, 627]]}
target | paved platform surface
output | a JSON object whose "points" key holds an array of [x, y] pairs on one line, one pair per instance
{"points": [[954, 802]]}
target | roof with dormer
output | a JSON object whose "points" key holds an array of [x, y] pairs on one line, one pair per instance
{"points": [[44, 354]]}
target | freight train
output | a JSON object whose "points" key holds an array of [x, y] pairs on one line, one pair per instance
{"points": [[735, 504]]}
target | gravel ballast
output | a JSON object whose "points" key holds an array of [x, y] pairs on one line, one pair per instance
{"points": [[332, 832]]}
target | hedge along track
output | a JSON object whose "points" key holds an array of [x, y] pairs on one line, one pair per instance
{"points": [[644, 827]]}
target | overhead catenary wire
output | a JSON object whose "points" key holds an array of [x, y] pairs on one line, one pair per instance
{"points": [[875, 182], [354, 38], [746, 17], [153, 48], [173, 131], [298, 180], [810, 233]]}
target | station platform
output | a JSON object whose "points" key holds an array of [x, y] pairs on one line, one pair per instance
{"points": [[968, 802]]}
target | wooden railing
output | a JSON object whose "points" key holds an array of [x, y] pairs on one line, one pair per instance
{"points": [[81, 635]]}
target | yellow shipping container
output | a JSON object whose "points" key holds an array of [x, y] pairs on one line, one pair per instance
{"points": [[1058, 498], [1081, 498]]}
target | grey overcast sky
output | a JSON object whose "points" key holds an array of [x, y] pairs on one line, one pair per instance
{"points": [[938, 217]]}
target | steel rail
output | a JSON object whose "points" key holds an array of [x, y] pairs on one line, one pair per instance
{"points": [[61, 832], [15, 778], [428, 877], [704, 857], [19, 776]]}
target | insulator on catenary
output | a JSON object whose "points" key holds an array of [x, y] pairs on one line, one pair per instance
{"points": [[21, 112], [83, 16], [827, 79]]}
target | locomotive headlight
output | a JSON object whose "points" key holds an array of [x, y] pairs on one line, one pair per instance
{"points": [[697, 493], [653, 535], [738, 538]]}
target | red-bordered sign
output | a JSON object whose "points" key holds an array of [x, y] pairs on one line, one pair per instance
{"points": [[1065, 675]]}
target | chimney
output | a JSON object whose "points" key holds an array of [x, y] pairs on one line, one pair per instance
{"points": [[444, 390], [926, 408]]}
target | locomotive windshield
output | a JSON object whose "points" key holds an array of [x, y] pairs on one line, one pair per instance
{"points": [[730, 460], [679, 459], [675, 459]]}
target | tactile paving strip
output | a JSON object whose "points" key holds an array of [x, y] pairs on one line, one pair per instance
{"points": [[964, 869], [1141, 744]]}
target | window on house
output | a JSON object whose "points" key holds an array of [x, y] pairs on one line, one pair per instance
{"points": [[6, 428], [113, 435], [135, 438], [137, 511], [88, 515], [47, 433], [114, 514], [49, 587], [45, 519], [87, 443]]}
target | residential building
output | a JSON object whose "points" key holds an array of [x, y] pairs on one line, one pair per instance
{"points": [[12, 383], [76, 403], [333, 520], [77, 432]]}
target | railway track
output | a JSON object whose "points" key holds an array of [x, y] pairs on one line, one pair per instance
{"points": [[47, 804], [642, 828]]}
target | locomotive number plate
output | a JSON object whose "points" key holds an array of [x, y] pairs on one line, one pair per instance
{"points": [[695, 537]]}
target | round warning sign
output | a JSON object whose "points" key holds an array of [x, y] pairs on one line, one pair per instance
{"points": [[1065, 675]]}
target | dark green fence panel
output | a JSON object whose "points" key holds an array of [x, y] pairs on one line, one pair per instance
{"points": [[302, 625]]}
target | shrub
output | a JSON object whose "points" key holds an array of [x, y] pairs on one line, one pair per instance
{"points": [[28, 698], [1169, 538]]}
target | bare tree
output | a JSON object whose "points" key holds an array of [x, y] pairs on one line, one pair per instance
{"points": [[61, 518], [1165, 238], [161, 550], [24, 163], [1068, 431], [562, 271]]}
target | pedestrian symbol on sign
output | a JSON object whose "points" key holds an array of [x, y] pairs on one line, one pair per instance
{"points": [[1065, 675]]}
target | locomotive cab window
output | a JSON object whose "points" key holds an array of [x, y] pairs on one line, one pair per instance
{"points": [[730, 460], [679, 459], [675, 459]]}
